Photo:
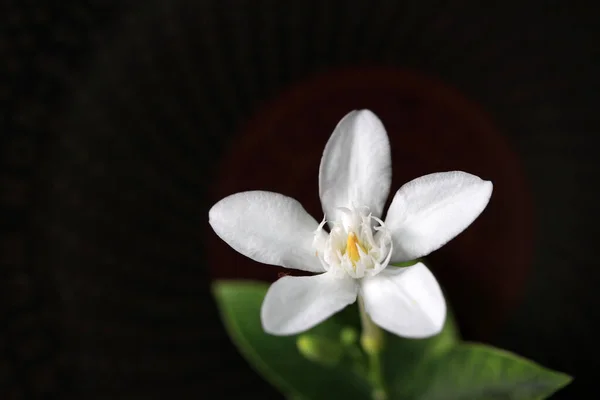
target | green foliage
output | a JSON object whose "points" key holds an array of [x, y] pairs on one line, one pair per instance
{"points": [[327, 362], [277, 358]]}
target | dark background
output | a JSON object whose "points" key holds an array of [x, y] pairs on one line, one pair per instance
{"points": [[113, 119]]}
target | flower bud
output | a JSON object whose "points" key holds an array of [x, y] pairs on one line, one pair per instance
{"points": [[372, 344], [319, 349], [348, 336]]}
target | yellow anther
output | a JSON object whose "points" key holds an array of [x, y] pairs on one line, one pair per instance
{"points": [[352, 246]]}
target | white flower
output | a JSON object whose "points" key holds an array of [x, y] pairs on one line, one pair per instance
{"points": [[353, 259]]}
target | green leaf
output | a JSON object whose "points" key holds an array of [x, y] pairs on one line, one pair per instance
{"points": [[277, 358], [476, 371], [401, 354], [440, 367], [408, 263]]}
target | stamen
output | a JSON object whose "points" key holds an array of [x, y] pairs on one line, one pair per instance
{"points": [[352, 247]]}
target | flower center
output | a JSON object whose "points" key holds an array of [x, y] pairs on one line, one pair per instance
{"points": [[359, 244], [352, 246]]}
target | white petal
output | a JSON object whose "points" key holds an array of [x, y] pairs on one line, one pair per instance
{"points": [[356, 167], [405, 301], [431, 210], [295, 304], [267, 227]]}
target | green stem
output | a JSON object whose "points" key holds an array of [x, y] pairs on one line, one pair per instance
{"points": [[372, 341]]}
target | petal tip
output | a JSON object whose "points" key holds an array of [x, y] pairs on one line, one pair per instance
{"points": [[213, 214], [365, 112], [267, 327], [487, 188], [213, 211], [438, 325]]}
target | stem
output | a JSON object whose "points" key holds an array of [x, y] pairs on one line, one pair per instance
{"points": [[372, 341]]}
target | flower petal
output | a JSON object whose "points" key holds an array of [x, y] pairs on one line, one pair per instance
{"points": [[267, 227], [405, 301], [295, 304], [356, 167], [429, 211]]}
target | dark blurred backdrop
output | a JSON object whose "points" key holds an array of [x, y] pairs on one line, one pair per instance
{"points": [[121, 123]]}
